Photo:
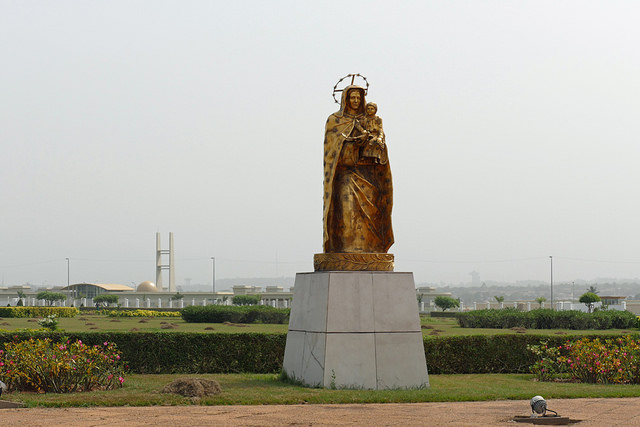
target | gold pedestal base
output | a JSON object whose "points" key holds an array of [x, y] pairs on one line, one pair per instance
{"points": [[353, 262]]}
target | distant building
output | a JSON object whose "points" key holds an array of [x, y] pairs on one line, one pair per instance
{"points": [[91, 290], [612, 300]]}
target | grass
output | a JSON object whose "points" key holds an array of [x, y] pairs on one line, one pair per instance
{"points": [[267, 389], [442, 326], [254, 389], [100, 323]]}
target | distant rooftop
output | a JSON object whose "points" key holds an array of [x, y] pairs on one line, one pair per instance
{"points": [[110, 287]]}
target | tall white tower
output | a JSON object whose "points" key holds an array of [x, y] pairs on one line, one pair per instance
{"points": [[160, 266]]}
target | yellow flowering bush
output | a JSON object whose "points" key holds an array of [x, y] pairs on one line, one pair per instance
{"points": [[38, 311], [42, 365], [141, 313]]}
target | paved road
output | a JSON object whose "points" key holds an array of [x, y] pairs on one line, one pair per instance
{"points": [[592, 412]]}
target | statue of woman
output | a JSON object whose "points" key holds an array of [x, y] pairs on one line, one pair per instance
{"points": [[358, 193]]}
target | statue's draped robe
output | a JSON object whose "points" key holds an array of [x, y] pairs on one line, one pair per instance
{"points": [[358, 194]]}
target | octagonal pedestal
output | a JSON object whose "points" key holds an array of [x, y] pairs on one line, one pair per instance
{"points": [[355, 330]]}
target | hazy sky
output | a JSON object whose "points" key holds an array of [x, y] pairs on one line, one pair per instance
{"points": [[513, 130]]}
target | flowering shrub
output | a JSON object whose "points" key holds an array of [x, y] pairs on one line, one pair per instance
{"points": [[141, 313], [546, 366], [608, 361], [612, 361], [49, 322], [42, 365]]}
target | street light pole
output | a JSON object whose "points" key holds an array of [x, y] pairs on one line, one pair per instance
{"points": [[551, 260], [68, 290], [213, 279]]}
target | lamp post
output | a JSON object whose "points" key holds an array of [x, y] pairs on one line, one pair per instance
{"points": [[551, 260], [213, 279], [68, 290]]}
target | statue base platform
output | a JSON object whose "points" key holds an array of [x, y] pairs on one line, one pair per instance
{"points": [[353, 262], [356, 330]]}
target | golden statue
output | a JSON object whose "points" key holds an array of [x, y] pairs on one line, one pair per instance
{"points": [[358, 193]]}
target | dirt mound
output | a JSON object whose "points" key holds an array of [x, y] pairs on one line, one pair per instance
{"points": [[193, 387]]}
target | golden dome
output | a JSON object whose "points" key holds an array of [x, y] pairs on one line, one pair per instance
{"points": [[147, 286]]}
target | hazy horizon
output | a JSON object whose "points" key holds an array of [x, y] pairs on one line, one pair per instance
{"points": [[511, 126]]}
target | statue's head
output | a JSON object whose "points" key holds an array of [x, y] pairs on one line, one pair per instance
{"points": [[353, 100], [371, 108]]}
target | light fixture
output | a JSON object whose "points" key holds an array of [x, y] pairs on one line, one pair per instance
{"points": [[539, 407]]}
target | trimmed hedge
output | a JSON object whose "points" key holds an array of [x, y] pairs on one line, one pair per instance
{"points": [[235, 314], [447, 314], [38, 311], [175, 352], [245, 300], [506, 318], [484, 354]]}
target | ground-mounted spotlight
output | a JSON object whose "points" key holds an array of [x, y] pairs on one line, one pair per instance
{"points": [[540, 415], [538, 406]]}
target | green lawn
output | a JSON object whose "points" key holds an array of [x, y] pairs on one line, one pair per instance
{"points": [[100, 323], [254, 389], [442, 326]]}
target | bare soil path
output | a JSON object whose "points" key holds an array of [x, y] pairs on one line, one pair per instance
{"points": [[592, 412]]}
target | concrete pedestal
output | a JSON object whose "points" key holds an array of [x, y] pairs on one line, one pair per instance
{"points": [[355, 330]]}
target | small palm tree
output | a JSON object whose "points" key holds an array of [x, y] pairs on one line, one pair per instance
{"points": [[540, 300], [21, 296]]}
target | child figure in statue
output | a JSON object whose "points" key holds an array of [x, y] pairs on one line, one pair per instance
{"points": [[373, 149]]}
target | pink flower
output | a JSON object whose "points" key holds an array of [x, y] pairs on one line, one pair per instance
{"points": [[121, 380], [105, 343]]}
